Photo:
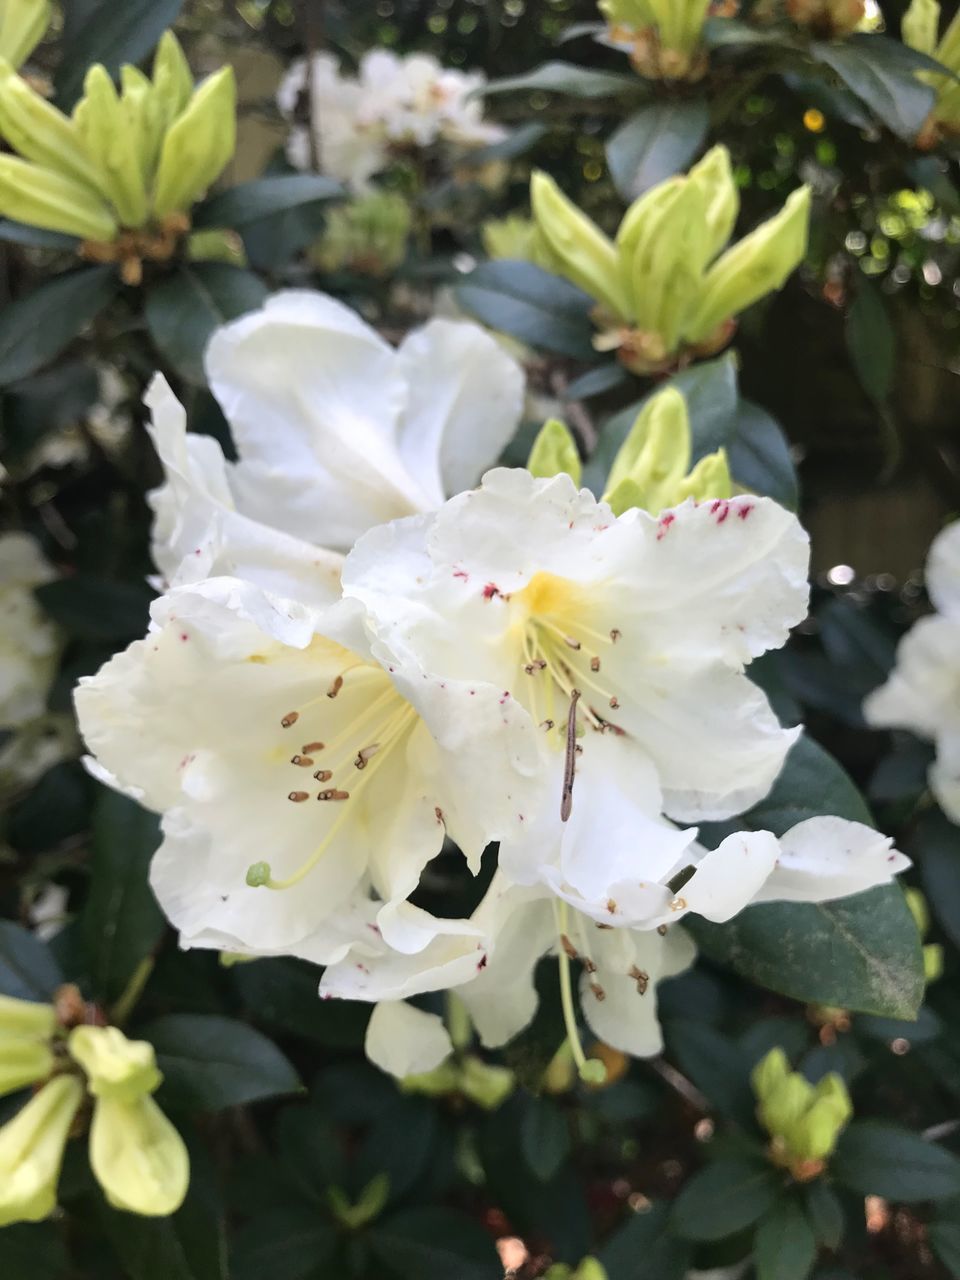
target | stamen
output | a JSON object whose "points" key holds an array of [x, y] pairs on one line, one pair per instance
{"points": [[323, 775], [547, 725], [598, 991], [532, 668], [335, 687], [570, 761], [641, 978], [298, 797], [614, 635], [304, 762], [662, 930], [568, 947], [591, 1071], [309, 748], [614, 704], [289, 719], [594, 664], [366, 754], [572, 642], [333, 794]]}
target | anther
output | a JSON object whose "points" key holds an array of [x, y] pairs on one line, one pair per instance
{"points": [[532, 668], [614, 635], [289, 719], [678, 904], [364, 756], [614, 704], [298, 797], [662, 930], [598, 991], [303, 761], [568, 947], [594, 664], [641, 978], [589, 965], [335, 687], [333, 794], [308, 748], [546, 725], [571, 642], [323, 775]]}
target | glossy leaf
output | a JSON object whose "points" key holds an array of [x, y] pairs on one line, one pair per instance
{"points": [[264, 198], [566, 78], [27, 969], [657, 141], [724, 1198], [520, 299], [35, 329], [882, 73], [544, 1137], [784, 1247], [873, 1158], [422, 1244], [112, 34]]}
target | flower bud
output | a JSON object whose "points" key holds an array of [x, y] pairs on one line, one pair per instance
{"points": [[26, 1018], [756, 265], [769, 1073], [31, 1151], [172, 79], [710, 478], [141, 111], [512, 237], [919, 910], [23, 24], [112, 146], [815, 1136], [42, 198], [368, 235], [37, 131], [654, 458], [199, 145], [714, 176], [115, 1066], [25, 1054], [137, 1156], [589, 1269], [668, 262], [948, 50], [784, 1107], [920, 24], [828, 18], [589, 258], [555, 453]]}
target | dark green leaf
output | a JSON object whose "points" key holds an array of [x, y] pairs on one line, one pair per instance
{"points": [[825, 1213], [183, 310], [530, 304], [759, 456], [97, 608], [944, 1238], [568, 78], [884, 1160], [719, 33], [121, 921], [35, 329], [784, 1247], [517, 143], [644, 1249], [35, 237], [657, 141], [544, 1137], [715, 1065], [112, 34], [285, 1244], [883, 74], [871, 342], [595, 381], [936, 844], [210, 1062], [424, 1244], [856, 639], [400, 1143], [27, 969], [264, 198], [29, 1252], [723, 1198], [283, 993]]}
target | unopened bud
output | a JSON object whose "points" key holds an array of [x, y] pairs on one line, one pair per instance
{"points": [[112, 147], [37, 131], [42, 198], [138, 1157], [199, 145], [654, 458], [589, 258], [31, 1151], [23, 24], [368, 235], [26, 1018], [666, 270], [172, 79], [555, 453], [589, 1269], [920, 25], [23, 1061], [827, 17], [710, 478], [513, 237], [140, 109], [714, 176], [115, 1066]]}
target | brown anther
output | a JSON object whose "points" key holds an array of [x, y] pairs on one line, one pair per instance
{"points": [[439, 815], [589, 965], [70, 1006], [662, 930], [614, 704], [289, 719], [323, 775], [598, 991], [298, 797], [333, 795], [335, 687], [364, 756], [611, 906], [546, 725], [304, 762], [571, 642], [641, 978], [678, 904], [309, 748], [594, 664], [569, 948], [532, 668], [614, 635]]}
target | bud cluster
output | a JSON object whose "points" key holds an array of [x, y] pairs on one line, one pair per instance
{"points": [[666, 291], [921, 26], [367, 235], [122, 172], [804, 1120], [74, 1065], [663, 36]]}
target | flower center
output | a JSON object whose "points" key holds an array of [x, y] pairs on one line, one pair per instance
{"points": [[341, 752]]}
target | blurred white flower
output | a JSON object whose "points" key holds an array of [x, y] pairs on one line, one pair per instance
{"points": [[28, 640], [393, 104], [923, 691], [336, 431]]}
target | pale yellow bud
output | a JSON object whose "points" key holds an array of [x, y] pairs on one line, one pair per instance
{"points": [[769, 1073], [138, 1157], [39, 132], [26, 1018], [815, 1135], [710, 478], [23, 1061], [554, 452], [140, 108], [513, 237], [368, 235], [199, 145], [654, 458], [667, 267], [31, 1151], [42, 198], [112, 147], [714, 176], [172, 79], [23, 24], [919, 910], [785, 1106], [948, 50], [590, 1269], [932, 961], [116, 1067], [590, 259], [920, 24]]}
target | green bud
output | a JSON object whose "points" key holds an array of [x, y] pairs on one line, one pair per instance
{"points": [[23, 24], [31, 1151], [628, 13], [372, 1202], [485, 1085], [115, 1066], [920, 24], [654, 458], [23, 1061], [110, 144], [919, 910], [141, 111], [555, 453], [39, 132], [710, 478], [714, 176], [26, 1018], [513, 238], [755, 266], [199, 145], [785, 1106], [138, 1157], [42, 198], [815, 1136], [172, 79], [948, 50], [368, 235], [932, 961], [588, 257], [680, 23], [770, 1073], [667, 266], [590, 1269]]}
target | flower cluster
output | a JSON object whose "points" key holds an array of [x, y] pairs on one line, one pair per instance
{"points": [[136, 1154], [122, 171], [666, 287], [663, 36], [357, 125], [804, 1120], [923, 692], [517, 664]]}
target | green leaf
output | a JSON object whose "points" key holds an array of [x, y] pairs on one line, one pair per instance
{"points": [[717, 1066], [121, 921], [644, 1249], [544, 1137], [93, 608], [264, 198], [183, 310], [882, 73], [209, 1062], [656, 142], [873, 1158], [112, 34], [723, 1198], [530, 304], [285, 1244], [27, 969], [825, 1213], [568, 78], [35, 329], [283, 993], [423, 1244], [759, 456], [784, 1247], [871, 342], [935, 842], [944, 1239], [719, 33], [596, 381], [36, 237], [29, 1252]]}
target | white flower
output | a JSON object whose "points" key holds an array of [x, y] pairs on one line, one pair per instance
{"points": [[923, 691], [405, 1041], [359, 123], [297, 776], [336, 431], [28, 640]]}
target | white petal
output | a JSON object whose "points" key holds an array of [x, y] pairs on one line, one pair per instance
{"points": [[372, 971], [923, 691], [405, 1041], [826, 858], [943, 571], [730, 877], [945, 774], [465, 402]]}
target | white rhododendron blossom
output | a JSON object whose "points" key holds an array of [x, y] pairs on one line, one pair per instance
{"points": [[923, 691], [359, 123], [298, 777], [335, 430], [28, 640]]}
